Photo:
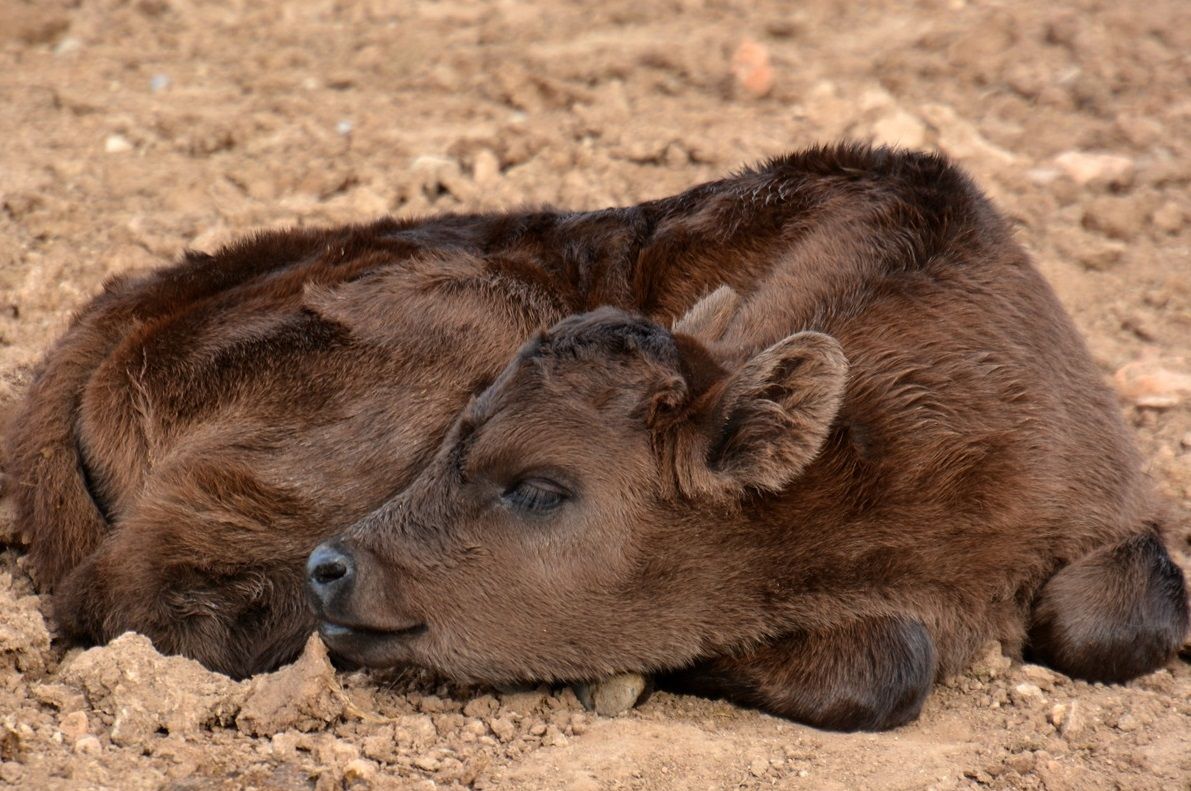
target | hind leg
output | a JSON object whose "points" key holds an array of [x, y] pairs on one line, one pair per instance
{"points": [[1113, 615], [871, 675]]}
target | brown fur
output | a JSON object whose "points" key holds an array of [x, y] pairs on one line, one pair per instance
{"points": [[200, 429], [894, 450]]}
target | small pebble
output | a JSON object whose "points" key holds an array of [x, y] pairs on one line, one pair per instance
{"points": [[359, 769], [74, 725], [1074, 720], [485, 168], [613, 696], [1169, 217], [116, 144], [1127, 723], [1155, 383], [1043, 677], [1027, 693], [68, 45], [751, 68], [1085, 168], [88, 745], [991, 663]]}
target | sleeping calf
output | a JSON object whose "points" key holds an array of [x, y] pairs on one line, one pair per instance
{"points": [[815, 502]]}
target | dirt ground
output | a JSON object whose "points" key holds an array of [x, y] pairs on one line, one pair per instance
{"points": [[133, 129]]}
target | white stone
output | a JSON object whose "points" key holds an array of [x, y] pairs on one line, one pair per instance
{"points": [[1085, 168], [116, 144], [900, 128]]}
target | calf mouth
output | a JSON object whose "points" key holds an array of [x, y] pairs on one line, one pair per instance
{"points": [[370, 646]]}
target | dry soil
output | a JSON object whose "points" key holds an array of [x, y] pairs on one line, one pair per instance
{"points": [[133, 129]]}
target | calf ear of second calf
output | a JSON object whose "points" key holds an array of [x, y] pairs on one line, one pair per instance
{"points": [[709, 318]]}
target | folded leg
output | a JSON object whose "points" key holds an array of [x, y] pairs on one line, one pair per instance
{"points": [[870, 675]]}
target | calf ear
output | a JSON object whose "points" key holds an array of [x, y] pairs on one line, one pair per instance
{"points": [[773, 415], [709, 317]]}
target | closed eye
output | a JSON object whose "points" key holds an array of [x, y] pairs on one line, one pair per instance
{"points": [[536, 494]]}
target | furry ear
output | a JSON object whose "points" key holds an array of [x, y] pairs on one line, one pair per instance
{"points": [[709, 317], [666, 403], [773, 415]]}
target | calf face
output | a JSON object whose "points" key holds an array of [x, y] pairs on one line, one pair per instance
{"points": [[571, 523]]}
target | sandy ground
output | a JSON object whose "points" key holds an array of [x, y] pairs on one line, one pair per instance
{"points": [[132, 129]]}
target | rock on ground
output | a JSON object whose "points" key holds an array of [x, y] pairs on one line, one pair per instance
{"points": [[139, 692], [24, 639], [302, 696]]}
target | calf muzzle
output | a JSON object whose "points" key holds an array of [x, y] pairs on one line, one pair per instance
{"points": [[330, 576]]}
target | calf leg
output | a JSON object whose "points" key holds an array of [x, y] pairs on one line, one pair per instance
{"points": [[1113, 615], [871, 675]]}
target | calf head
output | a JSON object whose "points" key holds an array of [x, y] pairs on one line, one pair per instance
{"points": [[583, 515]]}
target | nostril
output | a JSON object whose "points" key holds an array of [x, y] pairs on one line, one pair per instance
{"points": [[328, 565], [329, 571]]}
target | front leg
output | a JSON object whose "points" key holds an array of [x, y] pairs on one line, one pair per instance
{"points": [[871, 675]]}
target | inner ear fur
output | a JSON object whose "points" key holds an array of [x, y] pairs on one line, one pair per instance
{"points": [[667, 402], [770, 418], [707, 320]]}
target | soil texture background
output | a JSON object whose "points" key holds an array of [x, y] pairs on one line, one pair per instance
{"points": [[131, 129]]}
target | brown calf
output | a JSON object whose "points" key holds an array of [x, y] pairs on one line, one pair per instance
{"points": [[816, 502]]}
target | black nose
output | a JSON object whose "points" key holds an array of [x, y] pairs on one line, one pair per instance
{"points": [[330, 572]]}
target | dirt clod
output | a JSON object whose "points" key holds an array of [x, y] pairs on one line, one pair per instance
{"points": [[612, 696], [74, 725], [137, 692], [1156, 383], [1028, 694], [1095, 169], [24, 639], [752, 69], [303, 696], [991, 663]]}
